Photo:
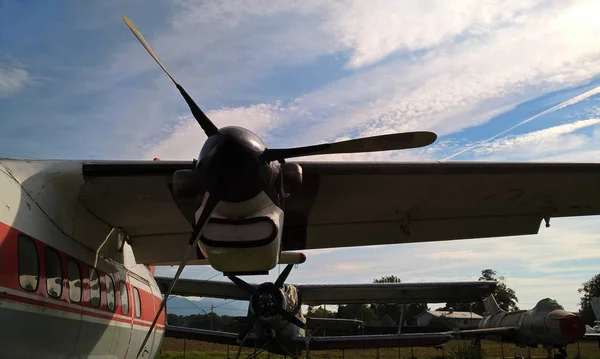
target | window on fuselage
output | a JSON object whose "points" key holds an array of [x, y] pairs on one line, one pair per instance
{"points": [[94, 287], [110, 292], [124, 298], [138, 303], [29, 270], [74, 280], [53, 273]]}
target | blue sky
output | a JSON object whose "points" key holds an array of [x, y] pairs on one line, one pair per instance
{"points": [[75, 83]]}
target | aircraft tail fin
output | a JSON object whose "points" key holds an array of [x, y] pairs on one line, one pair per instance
{"points": [[595, 302], [491, 306]]}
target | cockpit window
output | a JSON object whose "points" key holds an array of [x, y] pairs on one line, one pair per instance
{"points": [[548, 304]]}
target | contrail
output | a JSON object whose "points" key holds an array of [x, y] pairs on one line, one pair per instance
{"points": [[569, 102]]}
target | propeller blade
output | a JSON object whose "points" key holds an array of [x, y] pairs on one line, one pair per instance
{"points": [[242, 284], [291, 318], [204, 122], [396, 141], [209, 205], [283, 276]]}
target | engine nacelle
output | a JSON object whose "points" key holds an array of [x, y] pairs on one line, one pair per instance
{"points": [[269, 300], [292, 177]]}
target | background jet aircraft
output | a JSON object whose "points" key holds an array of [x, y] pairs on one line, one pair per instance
{"points": [[547, 324], [275, 315]]}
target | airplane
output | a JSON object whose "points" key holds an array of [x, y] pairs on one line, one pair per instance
{"points": [[547, 324], [79, 239], [272, 307]]}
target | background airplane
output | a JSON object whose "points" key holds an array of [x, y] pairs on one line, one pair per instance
{"points": [[547, 324], [275, 321]]}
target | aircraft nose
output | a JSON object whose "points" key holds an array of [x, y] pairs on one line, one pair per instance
{"points": [[572, 327]]}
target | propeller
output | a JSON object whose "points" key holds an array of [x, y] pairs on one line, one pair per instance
{"points": [[266, 300], [242, 140], [395, 141], [204, 122], [234, 165]]}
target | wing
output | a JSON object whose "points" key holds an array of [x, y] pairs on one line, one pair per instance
{"points": [[375, 341], [202, 288], [340, 204], [314, 294], [206, 335], [455, 292], [333, 324], [506, 333], [356, 204], [318, 343]]}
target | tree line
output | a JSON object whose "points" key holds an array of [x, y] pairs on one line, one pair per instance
{"points": [[389, 314]]}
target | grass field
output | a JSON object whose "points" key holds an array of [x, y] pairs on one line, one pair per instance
{"points": [[173, 349]]}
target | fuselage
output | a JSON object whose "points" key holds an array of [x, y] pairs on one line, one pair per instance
{"points": [[547, 324], [69, 285]]}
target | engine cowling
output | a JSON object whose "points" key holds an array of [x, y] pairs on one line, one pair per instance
{"points": [[269, 300]]}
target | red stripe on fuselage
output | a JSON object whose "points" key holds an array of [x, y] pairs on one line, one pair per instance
{"points": [[9, 278], [38, 303]]}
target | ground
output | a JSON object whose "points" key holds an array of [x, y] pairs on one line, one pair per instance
{"points": [[173, 349]]}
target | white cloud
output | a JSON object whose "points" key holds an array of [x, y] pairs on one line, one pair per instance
{"points": [[478, 59], [373, 31], [569, 102], [451, 86], [12, 80], [186, 140], [554, 139]]}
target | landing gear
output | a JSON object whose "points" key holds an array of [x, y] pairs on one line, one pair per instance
{"points": [[266, 301]]}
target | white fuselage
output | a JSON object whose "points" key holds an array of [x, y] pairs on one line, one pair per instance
{"points": [[47, 309]]}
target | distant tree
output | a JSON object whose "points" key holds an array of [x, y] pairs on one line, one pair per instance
{"points": [[356, 311], [506, 297], [178, 320], [590, 289], [320, 312]]}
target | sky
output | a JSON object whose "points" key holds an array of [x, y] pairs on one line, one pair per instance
{"points": [[496, 80]]}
